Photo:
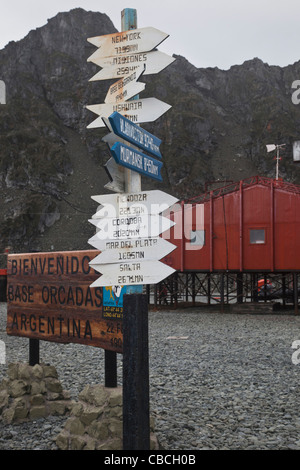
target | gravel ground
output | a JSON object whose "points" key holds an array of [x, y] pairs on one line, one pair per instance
{"points": [[217, 381]]}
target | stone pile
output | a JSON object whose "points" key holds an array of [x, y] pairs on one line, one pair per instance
{"points": [[96, 421], [32, 392], [93, 422]]}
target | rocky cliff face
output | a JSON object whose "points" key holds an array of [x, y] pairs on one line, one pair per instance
{"points": [[51, 165]]}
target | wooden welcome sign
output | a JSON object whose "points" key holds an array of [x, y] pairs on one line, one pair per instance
{"points": [[49, 298]]}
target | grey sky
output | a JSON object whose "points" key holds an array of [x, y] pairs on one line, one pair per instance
{"points": [[215, 33]]}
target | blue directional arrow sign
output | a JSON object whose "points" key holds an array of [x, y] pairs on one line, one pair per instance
{"points": [[136, 161], [134, 134]]}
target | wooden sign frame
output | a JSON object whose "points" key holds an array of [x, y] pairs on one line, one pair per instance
{"points": [[49, 298]]}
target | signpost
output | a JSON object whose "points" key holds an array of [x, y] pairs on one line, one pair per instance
{"points": [[115, 172], [133, 40], [49, 298], [136, 161], [126, 87], [133, 273], [154, 202], [111, 138], [122, 66], [129, 222], [151, 248], [116, 175], [134, 134], [128, 227], [138, 111], [118, 228]]}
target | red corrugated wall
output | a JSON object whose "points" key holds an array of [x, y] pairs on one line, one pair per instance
{"points": [[264, 205]]}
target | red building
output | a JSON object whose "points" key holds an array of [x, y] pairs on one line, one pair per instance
{"points": [[252, 226]]}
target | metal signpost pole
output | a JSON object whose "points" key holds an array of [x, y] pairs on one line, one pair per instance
{"points": [[136, 419]]}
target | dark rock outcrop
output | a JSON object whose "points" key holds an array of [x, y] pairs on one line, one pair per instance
{"points": [[51, 164]]}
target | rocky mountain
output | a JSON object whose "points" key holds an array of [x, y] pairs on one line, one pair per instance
{"points": [[51, 164]]}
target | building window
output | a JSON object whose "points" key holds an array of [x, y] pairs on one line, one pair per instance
{"points": [[197, 237], [257, 236]]}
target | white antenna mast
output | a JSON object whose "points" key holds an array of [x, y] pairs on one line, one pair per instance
{"points": [[272, 147]]}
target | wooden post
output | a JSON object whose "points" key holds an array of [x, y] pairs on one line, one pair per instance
{"points": [[133, 182], [132, 178], [132, 185], [136, 421], [110, 367], [34, 351]]}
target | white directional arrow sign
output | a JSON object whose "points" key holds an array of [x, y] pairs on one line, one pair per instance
{"points": [[129, 224], [122, 66], [139, 249], [140, 226], [138, 111], [135, 135], [143, 202], [126, 87], [116, 174], [134, 40], [133, 273], [112, 138]]}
